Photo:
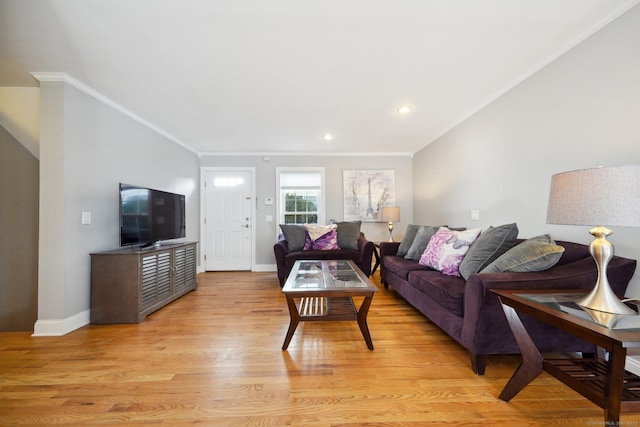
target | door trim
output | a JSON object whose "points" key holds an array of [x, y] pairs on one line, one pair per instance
{"points": [[203, 213]]}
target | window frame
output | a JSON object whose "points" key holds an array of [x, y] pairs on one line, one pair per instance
{"points": [[280, 212]]}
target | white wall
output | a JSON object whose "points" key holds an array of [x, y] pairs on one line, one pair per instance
{"points": [[86, 149], [580, 111], [20, 115], [334, 165]]}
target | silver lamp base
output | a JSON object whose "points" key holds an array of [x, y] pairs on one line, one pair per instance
{"points": [[390, 231], [601, 297]]}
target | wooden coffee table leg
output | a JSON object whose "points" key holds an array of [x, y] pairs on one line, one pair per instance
{"points": [[614, 384], [532, 363], [362, 321], [293, 324]]}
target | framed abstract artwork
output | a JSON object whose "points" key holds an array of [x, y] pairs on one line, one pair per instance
{"points": [[366, 192]]}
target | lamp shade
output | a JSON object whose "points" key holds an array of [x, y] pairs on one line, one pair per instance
{"points": [[390, 214], [607, 196]]}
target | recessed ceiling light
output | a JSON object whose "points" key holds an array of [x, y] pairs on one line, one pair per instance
{"points": [[327, 137], [405, 109]]}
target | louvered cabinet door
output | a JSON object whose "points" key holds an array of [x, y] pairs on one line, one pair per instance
{"points": [[185, 268], [155, 274]]}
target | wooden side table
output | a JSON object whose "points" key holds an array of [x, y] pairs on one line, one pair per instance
{"points": [[604, 382], [376, 254]]}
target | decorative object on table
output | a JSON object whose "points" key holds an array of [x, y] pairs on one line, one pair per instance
{"points": [[390, 214], [603, 196], [366, 192]]}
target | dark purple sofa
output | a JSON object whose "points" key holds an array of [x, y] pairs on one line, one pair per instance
{"points": [[285, 259], [473, 316]]}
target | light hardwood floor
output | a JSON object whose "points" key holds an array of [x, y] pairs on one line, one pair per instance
{"points": [[214, 358]]}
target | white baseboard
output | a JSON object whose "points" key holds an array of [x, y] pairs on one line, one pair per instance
{"points": [[59, 327], [256, 268], [264, 267]]}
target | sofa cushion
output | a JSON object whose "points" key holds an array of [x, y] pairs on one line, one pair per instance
{"points": [[348, 234], [535, 254], [342, 254], [400, 266], [447, 291], [447, 248], [423, 235], [292, 257], [407, 240], [295, 235], [492, 243]]}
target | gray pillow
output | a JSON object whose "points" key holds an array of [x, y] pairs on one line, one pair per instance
{"points": [[348, 234], [535, 254], [407, 240], [420, 242], [492, 243], [295, 235]]}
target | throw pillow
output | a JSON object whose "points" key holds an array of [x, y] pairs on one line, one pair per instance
{"points": [[295, 235], [447, 248], [492, 243], [315, 241], [325, 242], [423, 235], [535, 254], [407, 240], [348, 234], [315, 231]]}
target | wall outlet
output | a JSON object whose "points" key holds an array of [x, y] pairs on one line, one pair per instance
{"points": [[475, 215]]}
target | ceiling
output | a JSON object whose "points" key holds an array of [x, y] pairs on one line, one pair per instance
{"points": [[270, 77]]}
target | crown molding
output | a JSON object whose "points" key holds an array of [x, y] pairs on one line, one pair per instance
{"points": [[65, 78], [308, 153], [588, 32]]}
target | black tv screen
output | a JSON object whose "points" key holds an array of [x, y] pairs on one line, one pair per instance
{"points": [[148, 216]]}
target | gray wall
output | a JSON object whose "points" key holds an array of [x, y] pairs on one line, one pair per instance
{"points": [[580, 111], [18, 235], [86, 149], [334, 165]]}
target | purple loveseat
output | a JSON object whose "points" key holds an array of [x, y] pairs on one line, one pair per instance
{"points": [[285, 259], [473, 316]]}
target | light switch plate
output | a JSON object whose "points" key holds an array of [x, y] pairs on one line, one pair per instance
{"points": [[86, 218]]}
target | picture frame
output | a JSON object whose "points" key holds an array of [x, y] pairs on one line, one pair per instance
{"points": [[366, 192]]}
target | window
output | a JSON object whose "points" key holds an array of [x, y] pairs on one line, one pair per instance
{"points": [[301, 197]]}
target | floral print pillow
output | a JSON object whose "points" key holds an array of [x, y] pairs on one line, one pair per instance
{"points": [[321, 238], [447, 248]]}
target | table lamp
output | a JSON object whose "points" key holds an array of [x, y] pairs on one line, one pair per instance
{"points": [[390, 214], [600, 197]]}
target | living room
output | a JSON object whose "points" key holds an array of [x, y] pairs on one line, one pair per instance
{"points": [[578, 111]]}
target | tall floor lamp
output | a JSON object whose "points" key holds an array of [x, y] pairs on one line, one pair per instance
{"points": [[598, 197], [390, 214]]}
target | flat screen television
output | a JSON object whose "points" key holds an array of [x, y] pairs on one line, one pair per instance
{"points": [[149, 216]]}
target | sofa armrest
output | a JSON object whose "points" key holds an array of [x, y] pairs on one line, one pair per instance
{"points": [[280, 250], [366, 248], [482, 309], [389, 248]]}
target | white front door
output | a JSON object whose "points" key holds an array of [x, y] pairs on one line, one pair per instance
{"points": [[228, 219]]}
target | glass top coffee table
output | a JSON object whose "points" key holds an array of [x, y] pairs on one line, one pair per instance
{"points": [[603, 381], [323, 290]]}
